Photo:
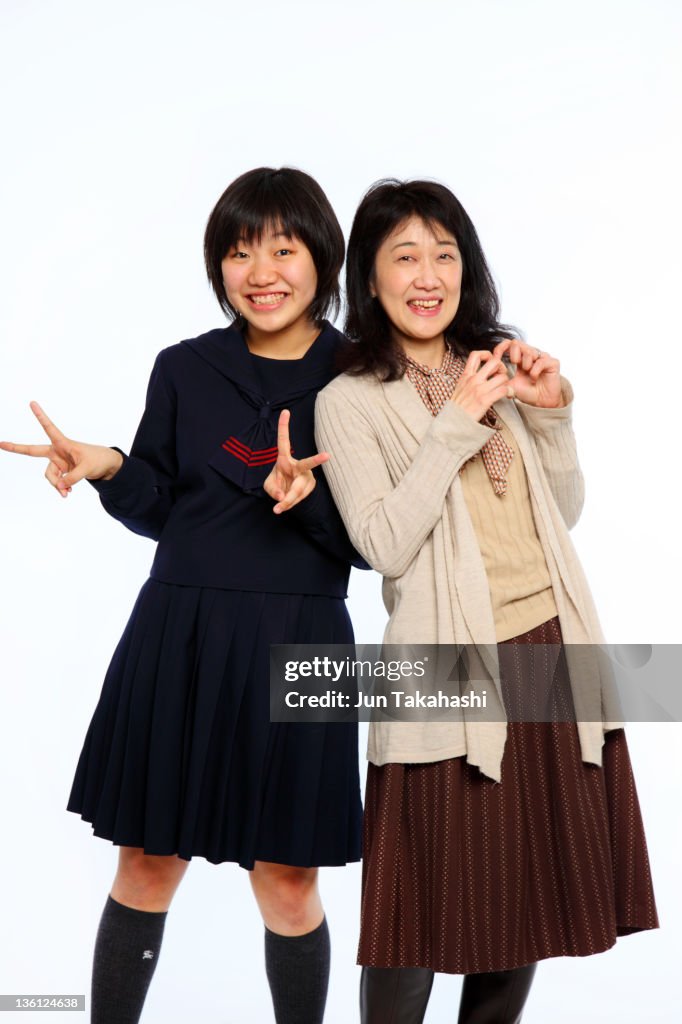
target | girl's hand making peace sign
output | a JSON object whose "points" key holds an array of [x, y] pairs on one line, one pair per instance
{"points": [[537, 380], [69, 461], [290, 480]]}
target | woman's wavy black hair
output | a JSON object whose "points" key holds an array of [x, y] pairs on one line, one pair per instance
{"points": [[386, 205], [287, 200]]}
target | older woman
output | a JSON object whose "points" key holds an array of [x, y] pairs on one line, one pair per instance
{"points": [[488, 846]]}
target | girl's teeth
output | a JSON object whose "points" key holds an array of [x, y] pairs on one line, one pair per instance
{"points": [[267, 300]]}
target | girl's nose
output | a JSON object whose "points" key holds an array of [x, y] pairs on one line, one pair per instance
{"points": [[262, 273]]}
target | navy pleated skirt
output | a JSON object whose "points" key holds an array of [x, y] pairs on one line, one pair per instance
{"points": [[181, 757]]}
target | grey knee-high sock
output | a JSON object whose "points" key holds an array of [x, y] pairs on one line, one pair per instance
{"points": [[298, 972], [126, 950]]}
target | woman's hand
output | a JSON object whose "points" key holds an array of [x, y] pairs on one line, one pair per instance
{"points": [[69, 461], [483, 382], [537, 380], [290, 480]]}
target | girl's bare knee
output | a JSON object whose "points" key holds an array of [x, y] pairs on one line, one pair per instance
{"points": [[287, 896], [146, 881]]}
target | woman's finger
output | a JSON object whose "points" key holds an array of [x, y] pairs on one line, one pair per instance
{"points": [[542, 364], [502, 347], [41, 451], [528, 357], [283, 442], [474, 360], [490, 365]]}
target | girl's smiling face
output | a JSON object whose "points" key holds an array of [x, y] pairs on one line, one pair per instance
{"points": [[271, 282], [417, 279]]}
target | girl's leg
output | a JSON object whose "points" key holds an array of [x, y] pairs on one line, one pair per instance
{"points": [[129, 934], [394, 995], [495, 998], [296, 941]]}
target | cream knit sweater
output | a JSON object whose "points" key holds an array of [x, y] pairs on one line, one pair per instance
{"points": [[394, 474]]}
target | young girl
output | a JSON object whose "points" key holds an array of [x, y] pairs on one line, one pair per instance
{"points": [[487, 845], [180, 759]]}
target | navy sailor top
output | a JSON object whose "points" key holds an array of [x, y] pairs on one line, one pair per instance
{"points": [[205, 444]]}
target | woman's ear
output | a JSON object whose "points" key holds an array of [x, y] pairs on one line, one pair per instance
{"points": [[372, 289]]}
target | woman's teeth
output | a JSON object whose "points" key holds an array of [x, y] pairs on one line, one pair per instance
{"points": [[267, 300], [424, 303]]}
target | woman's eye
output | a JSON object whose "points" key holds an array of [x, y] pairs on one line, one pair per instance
{"points": [[400, 258], [446, 256]]}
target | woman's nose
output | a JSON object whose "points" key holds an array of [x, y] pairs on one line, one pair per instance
{"points": [[427, 278]]}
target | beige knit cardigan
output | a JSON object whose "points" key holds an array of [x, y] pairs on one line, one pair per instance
{"points": [[394, 474]]}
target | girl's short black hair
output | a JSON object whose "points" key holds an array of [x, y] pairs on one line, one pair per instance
{"points": [[292, 202], [386, 205]]}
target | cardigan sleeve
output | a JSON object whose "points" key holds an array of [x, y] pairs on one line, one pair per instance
{"points": [[552, 431], [141, 494], [387, 522]]}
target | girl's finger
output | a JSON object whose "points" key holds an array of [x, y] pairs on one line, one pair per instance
{"points": [[46, 423], [283, 442], [53, 475], [74, 475], [299, 490], [305, 465], [41, 451]]}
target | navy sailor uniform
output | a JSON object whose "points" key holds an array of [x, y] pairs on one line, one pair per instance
{"points": [[180, 756]]}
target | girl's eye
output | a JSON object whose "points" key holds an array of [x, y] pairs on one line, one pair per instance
{"points": [[283, 252], [239, 255]]}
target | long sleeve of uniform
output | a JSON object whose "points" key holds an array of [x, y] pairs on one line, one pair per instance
{"points": [[552, 431], [141, 494], [388, 523], [319, 517]]}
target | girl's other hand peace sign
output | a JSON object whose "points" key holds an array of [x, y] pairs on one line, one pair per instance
{"points": [[69, 461], [290, 480]]}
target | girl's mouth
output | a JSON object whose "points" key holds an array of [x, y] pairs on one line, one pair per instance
{"points": [[266, 301]]}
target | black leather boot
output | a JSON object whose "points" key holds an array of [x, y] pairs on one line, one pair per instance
{"points": [[394, 995], [497, 997]]}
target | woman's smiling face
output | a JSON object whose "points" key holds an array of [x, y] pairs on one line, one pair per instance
{"points": [[417, 279], [271, 283]]}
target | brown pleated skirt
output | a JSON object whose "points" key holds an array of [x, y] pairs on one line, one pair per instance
{"points": [[465, 875]]}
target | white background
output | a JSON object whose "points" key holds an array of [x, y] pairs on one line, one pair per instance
{"points": [[557, 125]]}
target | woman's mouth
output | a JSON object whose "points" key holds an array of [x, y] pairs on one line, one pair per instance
{"points": [[425, 307]]}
